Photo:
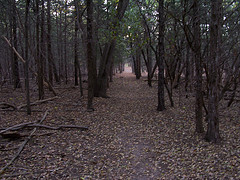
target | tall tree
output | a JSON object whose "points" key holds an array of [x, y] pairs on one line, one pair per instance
{"points": [[106, 60], [42, 53], [15, 69], [77, 67], [160, 59], [198, 67], [49, 43], [90, 59], [52, 69], [213, 134], [26, 58]]}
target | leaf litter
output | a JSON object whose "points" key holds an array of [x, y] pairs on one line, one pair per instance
{"points": [[127, 138]]}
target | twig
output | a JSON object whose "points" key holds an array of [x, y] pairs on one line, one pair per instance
{"points": [[38, 102], [16, 127], [6, 106], [59, 127], [16, 174], [23, 145]]}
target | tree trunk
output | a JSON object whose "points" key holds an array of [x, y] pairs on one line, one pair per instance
{"points": [[138, 63], [198, 66], [105, 63], [15, 69], [49, 44], [160, 59], [42, 53], [102, 80], [65, 47], [213, 134], [76, 52], [149, 65], [90, 58], [26, 58]]}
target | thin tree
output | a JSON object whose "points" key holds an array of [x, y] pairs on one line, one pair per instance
{"points": [[26, 58], [42, 52], [198, 67], [49, 43], [213, 134], [77, 67], [15, 69], [90, 59], [160, 59]]}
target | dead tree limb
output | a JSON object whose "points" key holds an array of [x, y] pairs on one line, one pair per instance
{"points": [[45, 81], [16, 127], [23, 145], [37, 102], [59, 127], [6, 106]]}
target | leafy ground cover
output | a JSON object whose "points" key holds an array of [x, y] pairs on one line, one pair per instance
{"points": [[127, 137]]}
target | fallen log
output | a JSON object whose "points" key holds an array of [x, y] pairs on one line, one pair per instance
{"points": [[23, 145]]}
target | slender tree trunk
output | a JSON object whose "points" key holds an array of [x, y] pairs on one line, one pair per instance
{"points": [[138, 63], [76, 52], [65, 48], [160, 59], [90, 58], [187, 69], [213, 134], [149, 65], [49, 44], [41, 56], [77, 67], [15, 69], [26, 58], [111, 72], [199, 68]]}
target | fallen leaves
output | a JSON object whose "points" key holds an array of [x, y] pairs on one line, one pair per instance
{"points": [[127, 139]]}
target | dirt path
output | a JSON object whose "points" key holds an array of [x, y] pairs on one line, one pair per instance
{"points": [[127, 138], [135, 134]]}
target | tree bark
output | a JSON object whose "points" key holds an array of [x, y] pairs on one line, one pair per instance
{"points": [[160, 59], [15, 69], [26, 58], [105, 62], [42, 53], [198, 67], [49, 44], [90, 59], [213, 134]]}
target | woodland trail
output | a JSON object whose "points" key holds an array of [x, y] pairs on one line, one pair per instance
{"points": [[127, 138], [133, 126]]}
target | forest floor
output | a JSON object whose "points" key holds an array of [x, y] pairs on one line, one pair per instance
{"points": [[127, 137]]}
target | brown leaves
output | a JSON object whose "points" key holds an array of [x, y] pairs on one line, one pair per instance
{"points": [[127, 139]]}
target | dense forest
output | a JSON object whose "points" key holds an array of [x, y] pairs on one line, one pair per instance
{"points": [[57, 54]]}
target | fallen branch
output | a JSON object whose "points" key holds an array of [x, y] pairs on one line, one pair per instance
{"points": [[17, 174], [13, 135], [6, 106], [59, 127], [37, 102], [16, 127], [22, 146]]}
